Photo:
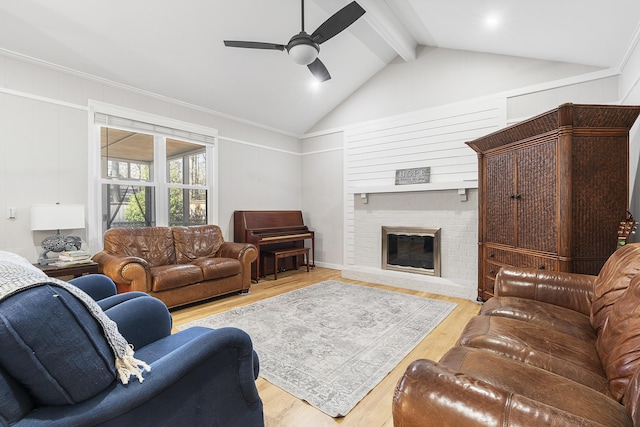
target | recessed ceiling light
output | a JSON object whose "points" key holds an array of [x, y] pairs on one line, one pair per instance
{"points": [[492, 20], [315, 84]]}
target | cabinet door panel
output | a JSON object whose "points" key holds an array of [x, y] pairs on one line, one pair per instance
{"points": [[499, 211], [602, 165], [536, 197]]}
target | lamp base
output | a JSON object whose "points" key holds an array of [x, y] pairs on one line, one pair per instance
{"points": [[58, 243]]}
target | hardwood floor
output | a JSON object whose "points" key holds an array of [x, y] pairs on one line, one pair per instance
{"points": [[282, 409]]}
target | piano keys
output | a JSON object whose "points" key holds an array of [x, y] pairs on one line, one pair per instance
{"points": [[269, 230]]}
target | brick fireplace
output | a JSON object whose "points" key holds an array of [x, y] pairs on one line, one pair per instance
{"points": [[454, 217]]}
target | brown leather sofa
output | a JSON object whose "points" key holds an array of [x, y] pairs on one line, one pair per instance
{"points": [[551, 349], [178, 265]]}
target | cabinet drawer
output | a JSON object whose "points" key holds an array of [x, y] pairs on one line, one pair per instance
{"points": [[490, 270], [498, 257], [489, 285]]}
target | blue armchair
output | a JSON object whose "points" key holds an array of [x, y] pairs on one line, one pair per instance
{"points": [[56, 369]]}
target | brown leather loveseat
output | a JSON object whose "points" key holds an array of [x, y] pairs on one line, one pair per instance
{"points": [[551, 349], [178, 265]]}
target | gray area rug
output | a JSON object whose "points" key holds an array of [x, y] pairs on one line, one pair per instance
{"points": [[332, 342]]}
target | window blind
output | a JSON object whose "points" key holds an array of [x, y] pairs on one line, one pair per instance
{"points": [[109, 120]]}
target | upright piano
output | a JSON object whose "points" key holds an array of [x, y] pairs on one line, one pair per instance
{"points": [[270, 230]]}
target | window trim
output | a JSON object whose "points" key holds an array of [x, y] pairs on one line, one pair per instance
{"points": [[159, 123]]}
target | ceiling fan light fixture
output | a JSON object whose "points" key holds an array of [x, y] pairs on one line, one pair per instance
{"points": [[302, 49], [303, 54]]}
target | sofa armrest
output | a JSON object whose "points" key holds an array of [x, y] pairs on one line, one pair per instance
{"points": [[141, 319], [97, 286], [240, 251], [246, 253], [570, 290], [434, 395], [130, 273]]}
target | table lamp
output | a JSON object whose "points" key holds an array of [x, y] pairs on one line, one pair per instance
{"points": [[57, 217]]}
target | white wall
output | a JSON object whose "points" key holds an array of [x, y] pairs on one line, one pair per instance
{"points": [[44, 154], [42, 160], [256, 178], [322, 186]]}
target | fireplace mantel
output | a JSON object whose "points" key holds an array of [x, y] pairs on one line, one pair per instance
{"points": [[431, 186]]}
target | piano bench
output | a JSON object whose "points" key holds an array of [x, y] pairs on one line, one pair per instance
{"points": [[277, 254]]}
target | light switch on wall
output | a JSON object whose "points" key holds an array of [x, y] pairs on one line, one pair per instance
{"points": [[11, 213]]}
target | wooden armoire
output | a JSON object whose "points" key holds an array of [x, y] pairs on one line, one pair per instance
{"points": [[553, 190]]}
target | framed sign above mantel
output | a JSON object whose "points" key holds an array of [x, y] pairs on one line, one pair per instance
{"points": [[413, 176]]}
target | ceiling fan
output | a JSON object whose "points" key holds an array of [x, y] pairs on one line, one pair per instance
{"points": [[304, 48]]}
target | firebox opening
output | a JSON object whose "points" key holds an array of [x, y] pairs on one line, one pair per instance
{"points": [[411, 249]]}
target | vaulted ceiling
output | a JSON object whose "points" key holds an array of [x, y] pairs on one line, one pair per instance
{"points": [[175, 49]]}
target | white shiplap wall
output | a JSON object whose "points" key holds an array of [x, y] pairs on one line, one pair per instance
{"points": [[434, 138]]}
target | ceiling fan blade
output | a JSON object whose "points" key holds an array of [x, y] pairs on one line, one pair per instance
{"points": [[338, 22], [319, 71], [254, 45]]}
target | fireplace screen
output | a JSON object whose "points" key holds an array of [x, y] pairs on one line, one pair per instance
{"points": [[411, 249]]}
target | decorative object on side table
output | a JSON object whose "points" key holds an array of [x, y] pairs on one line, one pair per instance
{"points": [[68, 258], [57, 217]]}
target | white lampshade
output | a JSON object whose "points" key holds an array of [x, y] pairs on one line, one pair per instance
{"points": [[57, 217], [303, 54]]}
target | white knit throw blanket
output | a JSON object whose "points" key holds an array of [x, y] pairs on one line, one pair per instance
{"points": [[17, 274]]}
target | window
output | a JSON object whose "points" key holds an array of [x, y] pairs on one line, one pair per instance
{"points": [[187, 172], [151, 174], [128, 188]]}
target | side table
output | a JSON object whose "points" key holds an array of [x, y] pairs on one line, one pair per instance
{"points": [[72, 270]]}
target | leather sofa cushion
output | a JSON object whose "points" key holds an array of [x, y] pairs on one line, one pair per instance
{"points": [[166, 277], [196, 242], [527, 381], [153, 244], [566, 355], [619, 341], [217, 268], [53, 346], [542, 314], [613, 280]]}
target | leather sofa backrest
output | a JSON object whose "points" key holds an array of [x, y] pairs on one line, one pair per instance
{"points": [[613, 280], [196, 242], [153, 244], [618, 342]]}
